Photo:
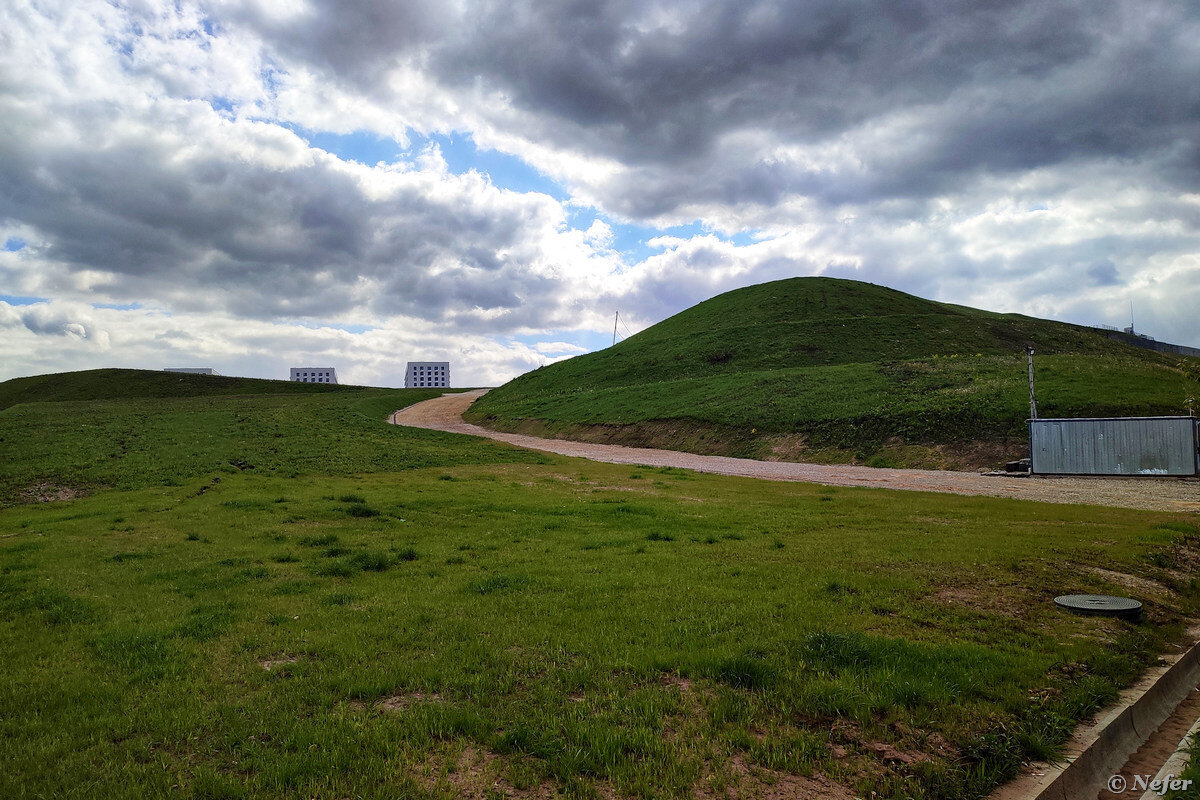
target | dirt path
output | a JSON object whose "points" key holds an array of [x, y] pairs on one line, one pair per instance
{"points": [[445, 414]]}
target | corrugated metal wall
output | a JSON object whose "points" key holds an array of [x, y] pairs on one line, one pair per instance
{"points": [[1121, 446]]}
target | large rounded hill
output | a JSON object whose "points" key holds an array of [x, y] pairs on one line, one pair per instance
{"points": [[837, 370]]}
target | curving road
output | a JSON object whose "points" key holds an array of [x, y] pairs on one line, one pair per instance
{"points": [[445, 414]]}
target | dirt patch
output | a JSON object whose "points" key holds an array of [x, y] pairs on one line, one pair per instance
{"points": [[678, 681], [743, 781], [983, 599], [479, 774], [399, 702], [890, 754], [270, 663], [49, 493], [1134, 583]]}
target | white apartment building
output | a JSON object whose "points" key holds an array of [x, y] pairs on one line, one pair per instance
{"points": [[420, 374], [314, 374]]}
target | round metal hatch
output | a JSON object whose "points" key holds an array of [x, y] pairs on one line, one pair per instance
{"points": [[1102, 604]]}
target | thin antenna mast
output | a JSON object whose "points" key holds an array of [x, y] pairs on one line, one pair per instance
{"points": [[615, 318], [1131, 316], [1032, 398]]}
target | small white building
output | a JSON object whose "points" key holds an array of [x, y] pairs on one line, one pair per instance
{"points": [[421, 374], [193, 370], [314, 374]]}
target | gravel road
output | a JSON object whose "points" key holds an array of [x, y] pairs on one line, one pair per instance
{"points": [[1161, 494]]}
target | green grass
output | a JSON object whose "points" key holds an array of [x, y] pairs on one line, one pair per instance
{"points": [[124, 384], [147, 440], [839, 370], [1190, 773], [504, 621]]}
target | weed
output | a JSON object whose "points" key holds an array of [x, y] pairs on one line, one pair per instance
{"points": [[746, 672], [361, 511], [498, 584], [121, 558]]}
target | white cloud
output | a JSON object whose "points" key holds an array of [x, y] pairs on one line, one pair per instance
{"points": [[1026, 157]]}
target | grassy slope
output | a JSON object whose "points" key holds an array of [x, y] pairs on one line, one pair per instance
{"points": [[575, 625], [842, 366], [124, 384], [160, 432]]}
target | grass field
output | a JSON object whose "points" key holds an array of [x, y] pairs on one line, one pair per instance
{"points": [[833, 370], [358, 610], [151, 437]]}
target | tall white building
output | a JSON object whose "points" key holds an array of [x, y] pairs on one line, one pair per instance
{"points": [[422, 374], [314, 374]]}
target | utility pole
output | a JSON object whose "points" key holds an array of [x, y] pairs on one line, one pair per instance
{"points": [[615, 318], [1032, 398]]}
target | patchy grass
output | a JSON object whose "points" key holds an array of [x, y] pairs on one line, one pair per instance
{"points": [[538, 625], [644, 671]]}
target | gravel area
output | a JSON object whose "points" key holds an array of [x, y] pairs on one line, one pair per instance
{"points": [[1161, 494]]}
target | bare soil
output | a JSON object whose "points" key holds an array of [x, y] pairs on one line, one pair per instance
{"points": [[1158, 494], [271, 663], [742, 781], [49, 493]]}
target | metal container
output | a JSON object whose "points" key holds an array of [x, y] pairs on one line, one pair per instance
{"points": [[1114, 446]]}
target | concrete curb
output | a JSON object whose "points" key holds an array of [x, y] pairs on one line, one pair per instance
{"points": [[1175, 764], [1099, 750]]}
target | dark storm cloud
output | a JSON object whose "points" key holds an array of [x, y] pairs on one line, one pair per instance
{"points": [[922, 94], [356, 39]]}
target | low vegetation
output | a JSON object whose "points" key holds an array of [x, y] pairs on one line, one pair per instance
{"points": [[395, 612], [140, 435], [833, 370]]}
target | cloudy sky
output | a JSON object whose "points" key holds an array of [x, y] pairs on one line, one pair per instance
{"points": [[257, 184]]}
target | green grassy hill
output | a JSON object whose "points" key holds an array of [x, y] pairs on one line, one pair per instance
{"points": [[73, 433], [836, 370], [122, 384]]}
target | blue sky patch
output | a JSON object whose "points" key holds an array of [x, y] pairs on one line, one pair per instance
{"points": [[589, 340], [631, 241], [507, 172], [316, 326], [361, 146], [16, 300], [118, 306], [14, 243], [222, 105]]}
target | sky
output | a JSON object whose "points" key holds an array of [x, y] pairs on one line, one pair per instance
{"points": [[252, 185]]}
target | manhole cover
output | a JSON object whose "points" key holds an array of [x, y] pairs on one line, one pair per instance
{"points": [[1104, 604]]}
